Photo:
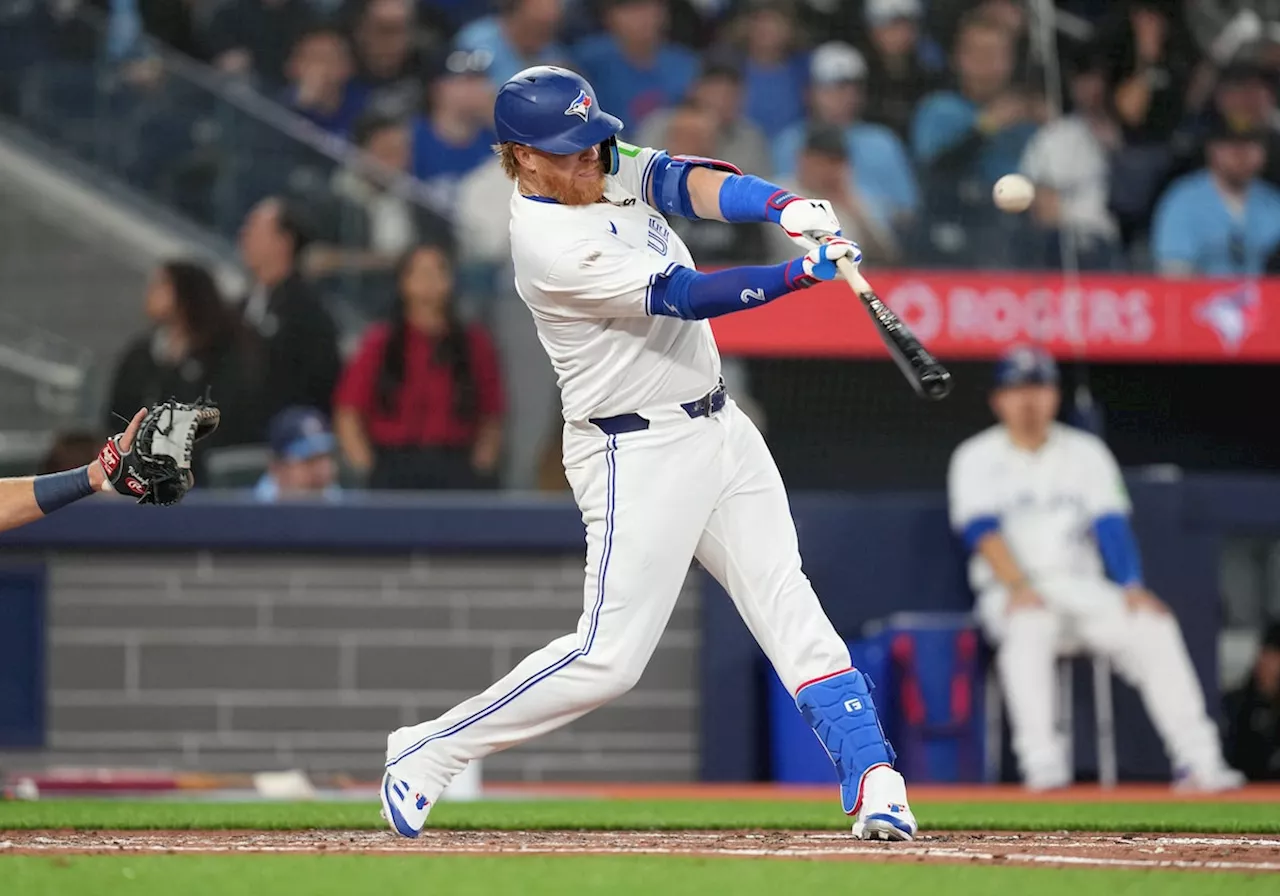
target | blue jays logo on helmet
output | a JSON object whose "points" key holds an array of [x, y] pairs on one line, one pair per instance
{"points": [[579, 106]]}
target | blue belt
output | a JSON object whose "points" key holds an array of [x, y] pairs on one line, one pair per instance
{"points": [[705, 406]]}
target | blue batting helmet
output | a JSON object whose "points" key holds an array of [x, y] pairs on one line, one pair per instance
{"points": [[1026, 365], [555, 110]]}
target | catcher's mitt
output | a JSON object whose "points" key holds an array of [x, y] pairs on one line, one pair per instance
{"points": [[157, 467]]}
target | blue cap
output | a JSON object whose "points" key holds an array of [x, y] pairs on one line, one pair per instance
{"points": [[1026, 365], [299, 433]]}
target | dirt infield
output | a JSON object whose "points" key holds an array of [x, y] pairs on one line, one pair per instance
{"points": [[1146, 851]]}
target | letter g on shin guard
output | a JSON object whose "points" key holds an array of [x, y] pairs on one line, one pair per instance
{"points": [[841, 712]]}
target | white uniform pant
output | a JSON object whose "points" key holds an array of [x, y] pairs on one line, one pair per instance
{"points": [[652, 501], [1145, 649]]}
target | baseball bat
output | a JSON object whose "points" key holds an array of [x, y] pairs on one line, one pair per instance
{"points": [[923, 371]]}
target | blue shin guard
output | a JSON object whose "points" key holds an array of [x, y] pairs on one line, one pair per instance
{"points": [[840, 711]]}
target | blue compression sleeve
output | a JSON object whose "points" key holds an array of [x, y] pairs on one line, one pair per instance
{"points": [[687, 294], [746, 198], [56, 490], [977, 528], [1119, 549]]}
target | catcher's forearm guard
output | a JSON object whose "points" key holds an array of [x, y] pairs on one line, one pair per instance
{"points": [[157, 467]]}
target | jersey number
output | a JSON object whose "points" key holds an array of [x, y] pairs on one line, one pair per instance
{"points": [[659, 236]]}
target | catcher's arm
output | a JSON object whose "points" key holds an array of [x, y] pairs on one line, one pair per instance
{"points": [[25, 500]]}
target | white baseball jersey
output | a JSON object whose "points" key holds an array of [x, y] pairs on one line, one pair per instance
{"points": [[585, 272], [1046, 501]]}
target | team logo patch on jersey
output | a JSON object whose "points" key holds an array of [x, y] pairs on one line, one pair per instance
{"points": [[1233, 316], [579, 106]]}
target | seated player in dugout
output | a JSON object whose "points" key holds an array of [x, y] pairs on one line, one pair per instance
{"points": [[1043, 510]]}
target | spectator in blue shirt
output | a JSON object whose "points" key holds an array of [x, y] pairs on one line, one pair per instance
{"points": [[981, 129], [302, 458], [321, 86], [1221, 221], [522, 34], [632, 66], [456, 135], [776, 72], [881, 170]]}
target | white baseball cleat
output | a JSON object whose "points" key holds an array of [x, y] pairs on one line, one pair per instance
{"points": [[884, 813], [1214, 779], [403, 807]]}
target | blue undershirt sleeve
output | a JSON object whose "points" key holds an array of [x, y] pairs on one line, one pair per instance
{"points": [[691, 295], [977, 528], [1119, 549]]}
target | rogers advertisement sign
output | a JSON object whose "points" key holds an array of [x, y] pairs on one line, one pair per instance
{"points": [[974, 315]]}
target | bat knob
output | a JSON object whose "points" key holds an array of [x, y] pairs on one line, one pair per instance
{"points": [[936, 384]]}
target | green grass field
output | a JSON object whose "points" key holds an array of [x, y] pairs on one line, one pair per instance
{"points": [[612, 875], [1200, 817], [622, 875]]}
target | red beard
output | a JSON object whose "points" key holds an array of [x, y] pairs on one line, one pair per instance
{"points": [[575, 190]]}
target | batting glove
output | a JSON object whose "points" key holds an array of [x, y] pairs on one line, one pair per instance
{"points": [[807, 221], [820, 262]]}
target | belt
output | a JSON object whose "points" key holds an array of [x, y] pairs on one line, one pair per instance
{"points": [[711, 403]]}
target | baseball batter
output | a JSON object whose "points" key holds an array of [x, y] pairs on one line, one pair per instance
{"points": [[1044, 510], [663, 465]]}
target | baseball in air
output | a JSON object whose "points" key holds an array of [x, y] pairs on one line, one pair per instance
{"points": [[1013, 193]]}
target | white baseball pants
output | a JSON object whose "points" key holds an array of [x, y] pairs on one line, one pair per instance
{"points": [[651, 500], [1145, 649]]}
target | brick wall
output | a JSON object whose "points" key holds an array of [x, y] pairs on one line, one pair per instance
{"points": [[217, 661]]}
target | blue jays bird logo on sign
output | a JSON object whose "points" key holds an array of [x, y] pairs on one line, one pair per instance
{"points": [[579, 106], [1233, 315]]}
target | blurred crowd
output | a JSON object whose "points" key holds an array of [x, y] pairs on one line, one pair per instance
{"points": [[1149, 126]]}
